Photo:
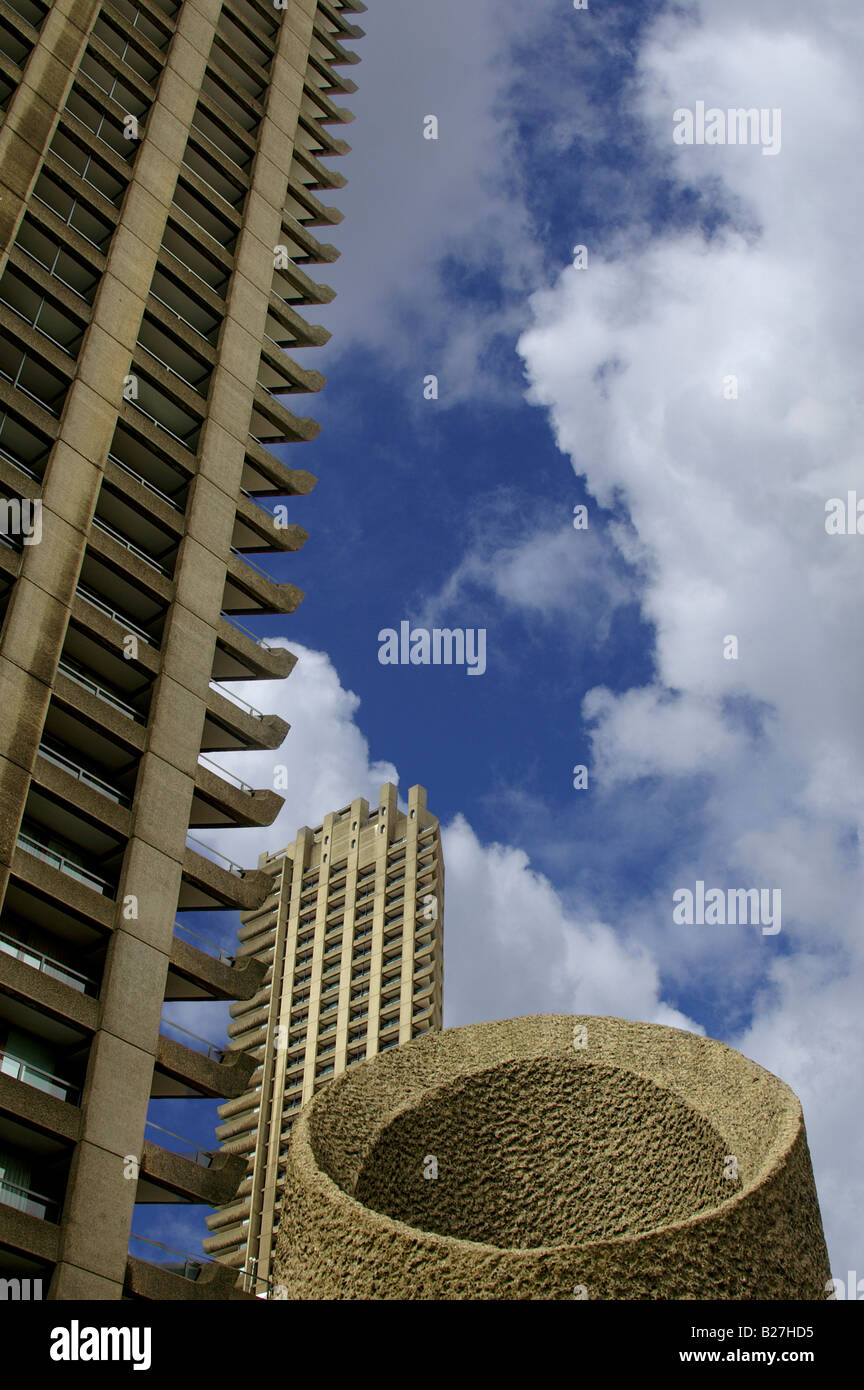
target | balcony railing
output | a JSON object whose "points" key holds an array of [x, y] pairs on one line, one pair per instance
{"points": [[37, 1078], [99, 246], [189, 1269], [24, 1199], [48, 965], [65, 865], [181, 439], [192, 1265], [77, 675], [24, 467], [247, 632], [209, 1049], [243, 704], [188, 323], [215, 857], [256, 501], [82, 775], [121, 618], [253, 565], [133, 549], [205, 941], [203, 1157], [52, 268], [229, 776], [151, 487]]}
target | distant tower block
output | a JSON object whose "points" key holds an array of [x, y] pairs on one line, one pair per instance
{"points": [[553, 1158], [351, 936]]}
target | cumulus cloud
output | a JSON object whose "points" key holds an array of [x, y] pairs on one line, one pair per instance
{"points": [[535, 574], [711, 380], [419, 212], [513, 948]]}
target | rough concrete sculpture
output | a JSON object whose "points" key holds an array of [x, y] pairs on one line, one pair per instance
{"points": [[553, 1158]]}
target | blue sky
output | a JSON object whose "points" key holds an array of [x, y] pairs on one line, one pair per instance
{"points": [[602, 387]]}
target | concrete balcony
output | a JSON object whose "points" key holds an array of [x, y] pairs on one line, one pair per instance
{"points": [[292, 286], [256, 529], [221, 799], [303, 247], [272, 424], [54, 882], [208, 884], [279, 373], [15, 480], [249, 1019], [24, 977], [233, 723], [246, 1122], [166, 1177], [240, 656], [313, 172], [193, 974], [226, 1219], [74, 787], [28, 1105], [28, 1235], [248, 590], [181, 1071], [147, 433], [159, 1283], [143, 494], [109, 627], [289, 330], [97, 708]]}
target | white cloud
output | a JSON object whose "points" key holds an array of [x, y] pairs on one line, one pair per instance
{"points": [[727, 499], [648, 732], [536, 572], [809, 1034], [512, 948], [411, 203]]}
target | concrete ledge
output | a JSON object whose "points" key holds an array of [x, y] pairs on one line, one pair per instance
{"points": [[160, 1284], [28, 1235], [196, 1073], [38, 1110], [221, 885], [88, 902], [210, 978], [21, 981], [176, 1173]]}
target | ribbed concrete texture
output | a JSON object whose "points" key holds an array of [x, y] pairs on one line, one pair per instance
{"points": [[554, 1157]]}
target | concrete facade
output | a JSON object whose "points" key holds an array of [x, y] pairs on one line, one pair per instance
{"points": [[157, 161], [351, 935], [553, 1158]]}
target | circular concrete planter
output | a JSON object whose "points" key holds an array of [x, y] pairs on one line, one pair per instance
{"points": [[548, 1158]]}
